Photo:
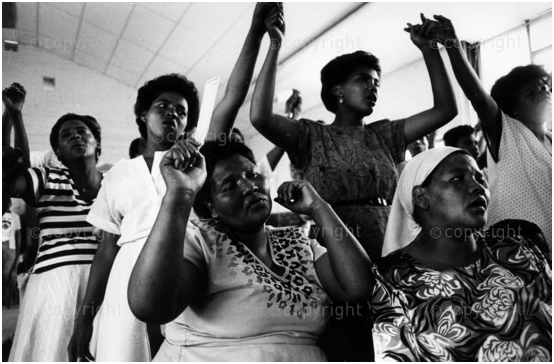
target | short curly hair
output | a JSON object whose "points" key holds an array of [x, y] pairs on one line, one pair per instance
{"points": [[505, 89], [88, 120], [213, 152], [173, 82], [337, 71], [453, 136]]}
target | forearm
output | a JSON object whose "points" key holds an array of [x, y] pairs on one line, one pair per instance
{"points": [[261, 110], [444, 101], [98, 278], [242, 73], [237, 87], [20, 135], [468, 80], [155, 286], [349, 262], [6, 128]]}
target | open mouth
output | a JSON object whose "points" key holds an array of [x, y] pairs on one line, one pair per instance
{"points": [[480, 203], [169, 122]]}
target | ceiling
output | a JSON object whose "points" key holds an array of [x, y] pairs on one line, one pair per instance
{"points": [[134, 42]]}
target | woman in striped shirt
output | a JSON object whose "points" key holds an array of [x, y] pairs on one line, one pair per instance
{"points": [[62, 197]]}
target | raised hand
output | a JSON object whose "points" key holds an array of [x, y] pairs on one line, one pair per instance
{"points": [[275, 24], [299, 197], [442, 30], [260, 13], [293, 106], [183, 167], [13, 97]]}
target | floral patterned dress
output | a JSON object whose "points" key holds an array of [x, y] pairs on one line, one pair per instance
{"points": [[348, 166], [496, 309]]}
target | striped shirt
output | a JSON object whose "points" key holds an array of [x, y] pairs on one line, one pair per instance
{"points": [[65, 237]]}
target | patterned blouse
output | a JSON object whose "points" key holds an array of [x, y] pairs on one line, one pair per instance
{"points": [[348, 166], [496, 309], [248, 312]]}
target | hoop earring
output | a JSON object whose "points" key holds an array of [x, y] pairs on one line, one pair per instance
{"points": [[341, 100]]}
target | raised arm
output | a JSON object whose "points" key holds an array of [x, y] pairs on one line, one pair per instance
{"points": [[13, 98], [444, 103], [227, 109], [278, 129], [293, 108], [483, 104], [78, 348], [163, 283], [345, 271]]}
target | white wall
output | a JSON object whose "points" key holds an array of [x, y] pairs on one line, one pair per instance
{"points": [[79, 90]]}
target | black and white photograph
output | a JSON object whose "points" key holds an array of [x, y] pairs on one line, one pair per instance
{"points": [[277, 181]]}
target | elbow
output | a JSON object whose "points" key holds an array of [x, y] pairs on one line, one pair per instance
{"points": [[147, 311], [452, 112], [257, 118], [145, 307]]}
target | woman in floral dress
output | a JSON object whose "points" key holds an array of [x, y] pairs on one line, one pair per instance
{"points": [[445, 292]]}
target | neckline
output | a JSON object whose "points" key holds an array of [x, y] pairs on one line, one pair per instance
{"points": [[270, 245], [475, 264]]}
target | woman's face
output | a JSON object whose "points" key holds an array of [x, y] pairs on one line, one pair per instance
{"points": [[75, 141], [457, 196], [360, 90], [534, 102], [166, 119], [239, 194]]}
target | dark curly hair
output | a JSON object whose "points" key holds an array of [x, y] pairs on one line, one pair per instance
{"points": [[336, 72], [88, 120], [213, 152], [173, 82], [453, 136], [505, 89]]}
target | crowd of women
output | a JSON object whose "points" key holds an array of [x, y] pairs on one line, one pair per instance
{"points": [[167, 256]]}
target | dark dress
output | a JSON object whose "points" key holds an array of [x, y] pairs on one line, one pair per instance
{"points": [[498, 308], [350, 167]]}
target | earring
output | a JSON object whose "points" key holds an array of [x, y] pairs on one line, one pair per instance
{"points": [[341, 100]]}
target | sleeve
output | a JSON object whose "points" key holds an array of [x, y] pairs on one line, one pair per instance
{"points": [[192, 247], [36, 182], [301, 158], [392, 133], [16, 222], [317, 249], [103, 213], [37, 159]]}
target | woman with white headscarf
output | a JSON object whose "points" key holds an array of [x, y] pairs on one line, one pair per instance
{"points": [[444, 290]]}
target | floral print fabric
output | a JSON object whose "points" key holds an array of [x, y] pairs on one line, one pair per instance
{"points": [[496, 309]]}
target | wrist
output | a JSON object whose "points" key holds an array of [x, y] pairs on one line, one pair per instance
{"points": [[13, 111], [179, 196], [256, 32], [319, 210]]}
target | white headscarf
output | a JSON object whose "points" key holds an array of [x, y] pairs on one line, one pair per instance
{"points": [[401, 226]]}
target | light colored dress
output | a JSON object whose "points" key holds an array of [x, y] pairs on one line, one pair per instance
{"points": [[127, 205], [59, 277], [498, 308], [521, 180], [248, 312]]}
